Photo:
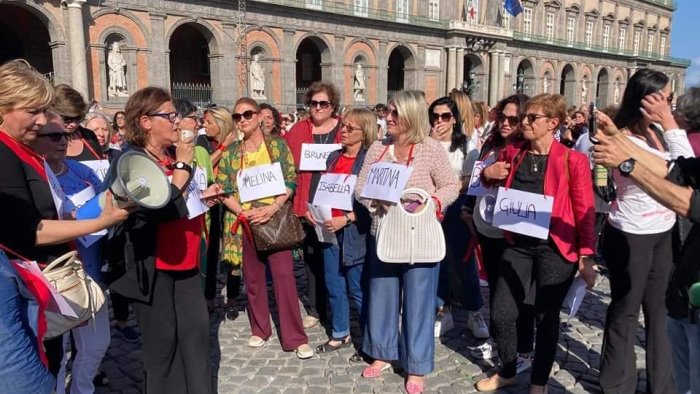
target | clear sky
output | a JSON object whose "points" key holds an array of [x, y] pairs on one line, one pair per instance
{"points": [[685, 34]]}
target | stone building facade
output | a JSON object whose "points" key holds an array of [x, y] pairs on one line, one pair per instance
{"points": [[584, 49]]}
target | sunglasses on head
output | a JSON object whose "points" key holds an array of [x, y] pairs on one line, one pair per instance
{"points": [[445, 116], [72, 119], [322, 104], [512, 120], [57, 136], [247, 115]]}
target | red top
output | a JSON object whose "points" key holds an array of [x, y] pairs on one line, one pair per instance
{"points": [[299, 134], [573, 211], [178, 243], [342, 166]]}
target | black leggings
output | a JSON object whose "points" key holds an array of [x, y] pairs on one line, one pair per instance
{"points": [[538, 268]]}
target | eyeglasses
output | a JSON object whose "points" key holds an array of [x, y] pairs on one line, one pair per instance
{"points": [[73, 119], [322, 104], [394, 113], [445, 117], [349, 127], [193, 117], [57, 136], [512, 120], [531, 118], [170, 116], [247, 115]]}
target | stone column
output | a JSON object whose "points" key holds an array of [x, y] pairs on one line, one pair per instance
{"points": [[339, 67], [76, 34], [502, 91], [451, 68], [227, 86], [460, 68], [382, 72], [159, 64], [419, 80], [289, 79], [493, 78]]}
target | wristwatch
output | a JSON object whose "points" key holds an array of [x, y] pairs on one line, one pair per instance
{"points": [[181, 165], [626, 167], [347, 219]]}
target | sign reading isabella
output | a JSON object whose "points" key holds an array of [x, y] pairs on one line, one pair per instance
{"points": [[386, 181], [260, 181], [523, 212], [335, 191], [313, 156]]}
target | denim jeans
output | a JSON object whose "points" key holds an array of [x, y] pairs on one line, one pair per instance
{"points": [[685, 348], [341, 280], [457, 237]]}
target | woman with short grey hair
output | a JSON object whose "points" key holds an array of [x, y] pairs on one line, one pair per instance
{"points": [[687, 115]]}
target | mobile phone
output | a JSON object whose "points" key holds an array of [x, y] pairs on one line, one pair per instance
{"points": [[186, 134], [224, 192], [592, 124]]}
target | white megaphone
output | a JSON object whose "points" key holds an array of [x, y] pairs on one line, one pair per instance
{"points": [[137, 179]]}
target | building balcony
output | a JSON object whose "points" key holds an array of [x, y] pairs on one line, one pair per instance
{"points": [[480, 29]]}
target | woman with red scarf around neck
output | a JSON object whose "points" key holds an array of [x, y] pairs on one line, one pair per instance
{"points": [[321, 127], [541, 166], [32, 229]]}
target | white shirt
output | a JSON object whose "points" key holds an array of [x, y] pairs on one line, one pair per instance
{"points": [[456, 159], [634, 211]]}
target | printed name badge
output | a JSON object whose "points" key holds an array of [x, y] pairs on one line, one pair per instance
{"points": [[79, 199], [195, 206], [313, 156], [99, 167], [386, 181], [476, 188], [336, 191], [523, 212], [260, 181]]}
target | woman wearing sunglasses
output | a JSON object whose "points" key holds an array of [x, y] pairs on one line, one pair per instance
{"points": [[33, 229], [257, 149], [92, 340], [534, 269], [321, 127], [69, 103], [637, 245], [446, 123]]}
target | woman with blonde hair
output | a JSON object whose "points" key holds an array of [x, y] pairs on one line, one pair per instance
{"points": [[220, 133], [343, 263], [392, 285], [481, 117]]}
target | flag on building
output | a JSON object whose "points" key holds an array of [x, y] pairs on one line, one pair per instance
{"points": [[471, 11], [513, 7]]}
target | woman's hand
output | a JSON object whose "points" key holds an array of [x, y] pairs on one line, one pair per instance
{"points": [[310, 218], [335, 223], [184, 151], [656, 109], [213, 195], [605, 124], [497, 171], [607, 153], [585, 269], [440, 129], [230, 139], [111, 214], [261, 215]]}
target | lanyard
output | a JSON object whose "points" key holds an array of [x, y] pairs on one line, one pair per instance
{"points": [[408, 161], [94, 153], [6, 249]]}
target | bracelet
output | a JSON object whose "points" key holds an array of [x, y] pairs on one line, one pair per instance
{"points": [[221, 147]]}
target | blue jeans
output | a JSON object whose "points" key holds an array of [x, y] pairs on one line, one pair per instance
{"points": [[685, 349], [457, 236], [340, 280], [390, 287]]}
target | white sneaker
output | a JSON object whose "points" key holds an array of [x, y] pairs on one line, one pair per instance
{"points": [[443, 323], [484, 351], [477, 326], [304, 352], [256, 341], [523, 364]]}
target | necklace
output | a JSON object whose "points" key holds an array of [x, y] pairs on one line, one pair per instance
{"points": [[60, 170], [536, 160]]}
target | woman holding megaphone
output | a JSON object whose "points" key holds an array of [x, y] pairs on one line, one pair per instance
{"points": [[158, 252], [32, 227]]}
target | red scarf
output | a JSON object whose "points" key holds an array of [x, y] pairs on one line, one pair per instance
{"points": [[25, 154]]}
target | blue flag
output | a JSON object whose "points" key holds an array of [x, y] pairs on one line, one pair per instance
{"points": [[513, 7]]}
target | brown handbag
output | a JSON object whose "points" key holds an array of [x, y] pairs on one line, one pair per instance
{"points": [[282, 232]]}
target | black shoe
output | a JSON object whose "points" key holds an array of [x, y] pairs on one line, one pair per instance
{"points": [[231, 312], [356, 357], [327, 347], [100, 380]]}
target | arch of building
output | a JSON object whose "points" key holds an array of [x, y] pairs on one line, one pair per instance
{"points": [[525, 67], [401, 72], [567, 83], [474, 64]]}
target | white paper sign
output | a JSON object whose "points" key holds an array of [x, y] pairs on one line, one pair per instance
{"points": [[200, 178], [79, 199], [99, 167], [57, 303], [386, 181], [476, 188], [523, 212], [313, 156], [320, 215], [260, 181], [575, 296], [336, 191], [195, 206]]}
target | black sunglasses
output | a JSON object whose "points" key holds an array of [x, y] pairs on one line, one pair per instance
{"points": [[394, 113], [512, 120], [57, 136], [531, 118], [170, 116], [445, 117], [247, 115], [72, 119], [323, 104]]}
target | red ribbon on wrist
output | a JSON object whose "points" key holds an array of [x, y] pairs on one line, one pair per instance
{"points": [[438, 212]]}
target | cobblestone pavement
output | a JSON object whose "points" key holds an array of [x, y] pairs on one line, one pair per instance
{"points": [[240, 369]]}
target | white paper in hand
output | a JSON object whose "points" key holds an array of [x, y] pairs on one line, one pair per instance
{"points": [[320, 215], [575, 296]]}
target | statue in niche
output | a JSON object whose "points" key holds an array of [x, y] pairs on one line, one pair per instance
{"points": [[257, 78], [545, 83], [584, 92], [616, 93], [117, 72], [359, 84]]}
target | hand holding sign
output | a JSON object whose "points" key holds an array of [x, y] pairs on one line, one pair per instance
{"points": [[523, 212], [497, 171], [386, 181]]}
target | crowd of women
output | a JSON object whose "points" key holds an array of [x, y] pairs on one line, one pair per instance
{"points": [[249, 173]]}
